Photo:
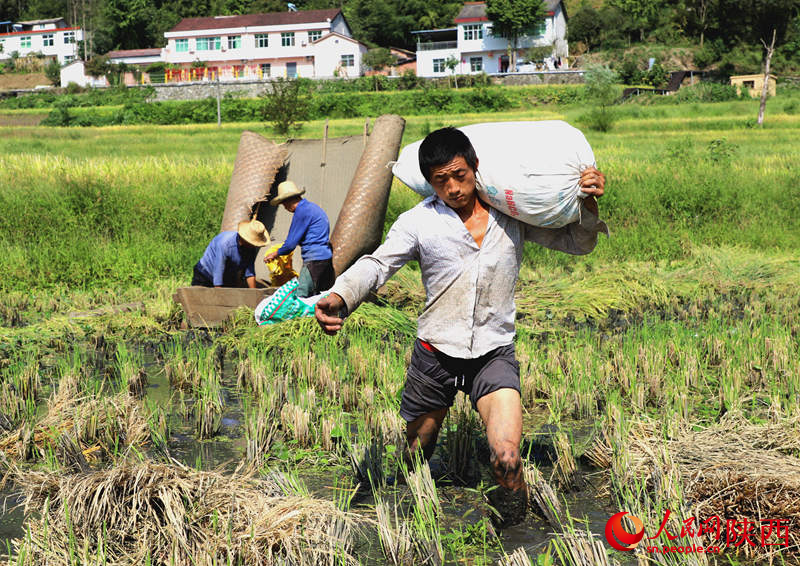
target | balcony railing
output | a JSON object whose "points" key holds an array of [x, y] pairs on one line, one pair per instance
{"points": [[433, 45]]}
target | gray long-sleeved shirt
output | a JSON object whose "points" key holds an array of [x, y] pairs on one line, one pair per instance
{"points": [[469, 307]]}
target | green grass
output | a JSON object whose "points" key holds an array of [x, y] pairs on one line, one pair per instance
{"points": [[122, 207], [687, 312]]}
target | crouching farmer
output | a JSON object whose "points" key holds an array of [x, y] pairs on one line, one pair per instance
{"points": [[469, 256], [229, 259]]}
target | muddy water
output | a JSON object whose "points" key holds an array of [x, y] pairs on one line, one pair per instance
{"points": [[461, 507]]}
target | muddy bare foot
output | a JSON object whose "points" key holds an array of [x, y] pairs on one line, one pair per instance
{"points": [[511, 506]]}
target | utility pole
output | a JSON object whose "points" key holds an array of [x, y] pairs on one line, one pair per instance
{"points": [[219, 108]]}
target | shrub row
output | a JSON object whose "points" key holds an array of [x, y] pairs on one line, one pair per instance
{"points": [[78, 97], [325, 105]]}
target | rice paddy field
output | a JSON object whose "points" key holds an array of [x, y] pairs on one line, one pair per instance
{"points": [[660, 374]]}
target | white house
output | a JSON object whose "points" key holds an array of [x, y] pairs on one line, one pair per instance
{"points": [[476, 50], [135, 56], [308, 43], [75, 72], [52, 38]]}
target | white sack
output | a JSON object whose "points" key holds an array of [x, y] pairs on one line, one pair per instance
{"points": [[528, 170]]}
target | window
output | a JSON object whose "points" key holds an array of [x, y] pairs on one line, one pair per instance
{"points": [[291, 70], [314, 35], [476, 64], [68, 59], [287, 39], [262, 40], [25, 41], [48, 40], [208, 43], [181, 45], [348, 60], [266, 69], [235, 41], [473, 31], [69, 37], [438, 66], [539, 29]]}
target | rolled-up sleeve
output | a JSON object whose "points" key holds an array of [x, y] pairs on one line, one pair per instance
{"points": [[578, 238], [373, 270]]}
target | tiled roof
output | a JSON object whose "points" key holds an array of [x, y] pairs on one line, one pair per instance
{"points": [[476, 11], [252, 20], [150, 51]]}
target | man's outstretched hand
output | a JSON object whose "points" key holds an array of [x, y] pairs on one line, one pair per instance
{"points": [[327, 312], [593, 182]]}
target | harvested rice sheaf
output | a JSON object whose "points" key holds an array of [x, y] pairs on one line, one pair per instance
{"points": [[746, 474], [153, 513], [100, 424]]}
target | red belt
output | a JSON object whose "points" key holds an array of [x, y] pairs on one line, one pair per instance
{"points": [[427, 345]]}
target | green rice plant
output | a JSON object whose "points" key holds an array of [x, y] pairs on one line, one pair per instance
{"points": [[576, 547], [180, 364], [261, 373], [261, 426], [130, 372], [332, 432], [209, 402], [394, 533], [296, 422], [462, 427], [543, 495], [366, 456], [425, 513], [158, 423], [565, 469], [521, 558]]}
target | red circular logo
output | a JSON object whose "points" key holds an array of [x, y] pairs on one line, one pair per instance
{"points": [[618, 537]]}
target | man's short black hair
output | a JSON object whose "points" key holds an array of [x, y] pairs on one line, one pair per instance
{"points": [[442, 146]]}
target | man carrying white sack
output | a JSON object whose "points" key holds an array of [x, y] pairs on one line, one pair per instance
{"points": [[469, 255]]}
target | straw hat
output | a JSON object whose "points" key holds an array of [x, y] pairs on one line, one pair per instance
{"points": [[254, 232], [287, 189]]}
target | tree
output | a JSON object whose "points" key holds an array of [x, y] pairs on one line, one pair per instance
{"points": [[286, 106], [53, 72], [585, 26], [512, 19], [451, 63], [378, 59], [641, 13], [600, 87], [765, 88]]}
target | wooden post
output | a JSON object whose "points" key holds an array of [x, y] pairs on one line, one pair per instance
{"points": [[765, 86], [366, 131], [324, 161]]}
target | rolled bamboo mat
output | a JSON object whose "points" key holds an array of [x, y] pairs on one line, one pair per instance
{"points": [[360, 223], [257, 163]]}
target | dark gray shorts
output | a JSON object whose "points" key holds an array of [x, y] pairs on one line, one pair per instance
{"points": [[434, 378]]}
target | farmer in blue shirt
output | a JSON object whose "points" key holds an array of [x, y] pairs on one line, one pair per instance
{"points": [[310, 229], [229, 254]]}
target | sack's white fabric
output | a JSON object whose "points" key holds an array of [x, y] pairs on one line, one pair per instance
{"points": [[528, 170]]}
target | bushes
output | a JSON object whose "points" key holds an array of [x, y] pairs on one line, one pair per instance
{"points": [[706, 92], [53, 72], [79, 98], [331, 105]]}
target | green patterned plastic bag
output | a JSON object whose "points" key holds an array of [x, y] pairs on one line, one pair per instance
{"points": [[283, 305]]}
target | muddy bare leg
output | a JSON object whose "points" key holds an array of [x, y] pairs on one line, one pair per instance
{"points": [[422, 432], [501, 412]]}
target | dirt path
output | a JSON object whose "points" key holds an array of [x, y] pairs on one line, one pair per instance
{"points": [[14, 81]]}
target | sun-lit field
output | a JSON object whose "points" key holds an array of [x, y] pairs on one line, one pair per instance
{"points": [[660, 374]]}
